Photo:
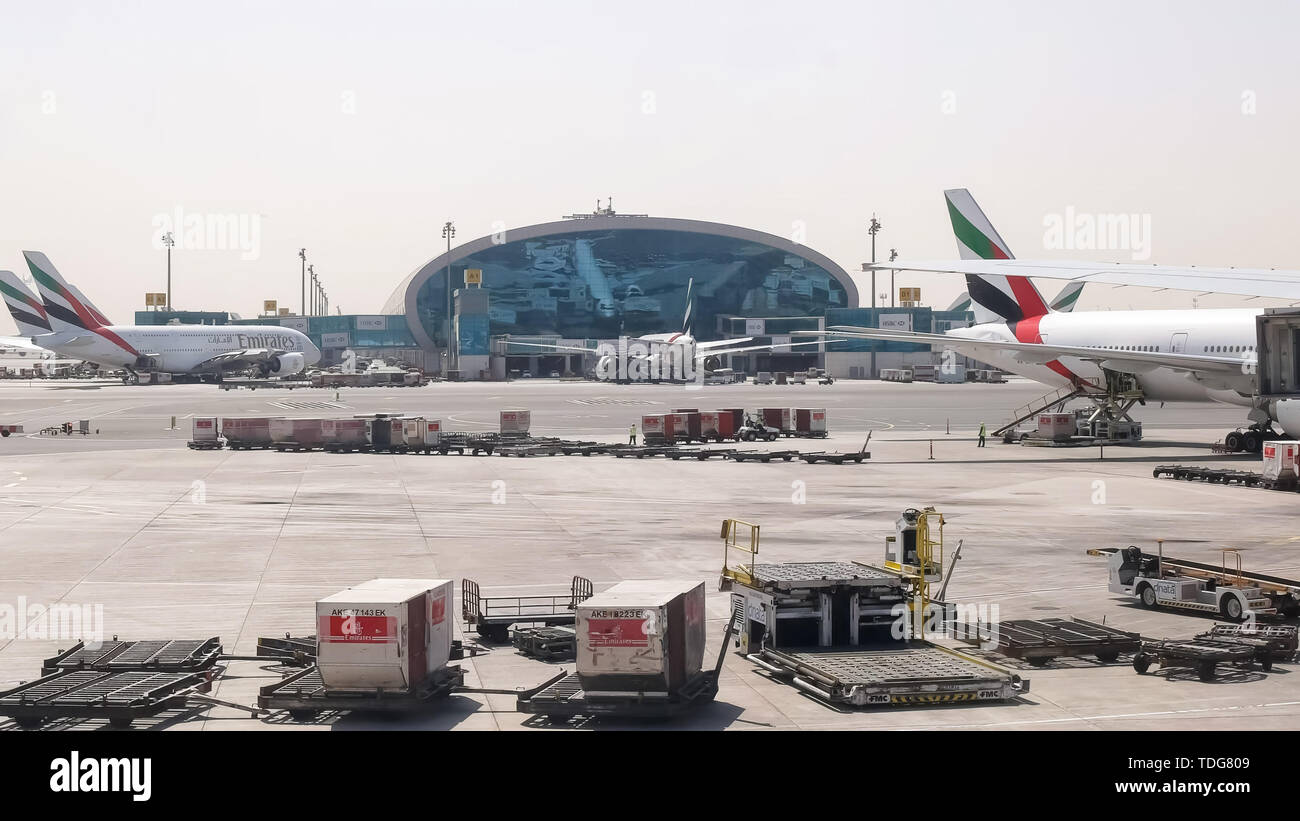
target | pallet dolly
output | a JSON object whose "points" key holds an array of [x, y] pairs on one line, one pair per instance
{"points": [[1202, 655]]}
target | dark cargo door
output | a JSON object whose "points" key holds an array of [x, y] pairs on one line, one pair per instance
{"points": [[417, 621]]}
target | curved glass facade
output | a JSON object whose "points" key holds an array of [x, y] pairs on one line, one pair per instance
{"points": [[602, 284]]}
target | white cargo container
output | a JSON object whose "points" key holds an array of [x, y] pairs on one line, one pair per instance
{"points": [[641, 636], [389, 633], [204, 429], [1280, 459], [951, 374], [1056, 425], [515, 421]]}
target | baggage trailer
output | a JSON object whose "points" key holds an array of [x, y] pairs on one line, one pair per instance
{"points": [[304, 694], [8, 430], [1202, 655], [780, 418], [343, 435], [640, 655], [762, 455], [384, 433], [1038, 641], [247, 432], [1276, 642], [203, 434], [295, 434], [1226, 590], [1222, 476], [692, 424], [493, 616]]}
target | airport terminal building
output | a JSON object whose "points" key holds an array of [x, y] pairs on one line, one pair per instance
{"points": [[592, 278]]}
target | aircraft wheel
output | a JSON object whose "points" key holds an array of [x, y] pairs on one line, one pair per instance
{"points": [[1252, 441], [1233, 442]]}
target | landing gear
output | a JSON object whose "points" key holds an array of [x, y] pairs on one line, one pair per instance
{"points": [[1250, 440]]}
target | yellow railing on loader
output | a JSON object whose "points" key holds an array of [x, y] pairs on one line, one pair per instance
{"points": [[739, 551]]}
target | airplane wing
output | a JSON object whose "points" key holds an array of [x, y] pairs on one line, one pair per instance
{"points": [[717, 351], [1033, 353], [1259, 282], [549, 347], [720, 343]]}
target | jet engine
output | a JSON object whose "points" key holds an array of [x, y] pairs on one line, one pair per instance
{"points": [[287, 363]]}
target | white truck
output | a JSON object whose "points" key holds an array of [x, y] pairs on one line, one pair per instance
{"points": [[1226, 590]]}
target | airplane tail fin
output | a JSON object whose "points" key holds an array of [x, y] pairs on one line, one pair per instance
{"points": [[63, 304], [24, 306], [1068, 297], [994, 297]]}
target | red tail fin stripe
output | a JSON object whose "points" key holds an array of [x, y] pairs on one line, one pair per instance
{"points": [[1030, 302]]}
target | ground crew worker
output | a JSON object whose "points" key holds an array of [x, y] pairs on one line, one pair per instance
{"points": [[982, 434], [631, 434]]}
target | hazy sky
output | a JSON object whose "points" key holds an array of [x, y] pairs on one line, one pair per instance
{"points": [[356, 129]]}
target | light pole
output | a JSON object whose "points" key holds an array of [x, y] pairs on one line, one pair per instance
{"points": [[873, 230], [893, 255], [302, 255], [315, 290], [169, 241], [449, 231]]}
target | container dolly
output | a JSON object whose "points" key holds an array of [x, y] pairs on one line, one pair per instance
{"points": [[1038, 641], [563, 696], [762, 455], [1202, 655], [546, 643], [304, 694], [493, 616]]}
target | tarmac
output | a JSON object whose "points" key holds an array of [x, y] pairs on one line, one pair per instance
{"points": [[161, 541]]}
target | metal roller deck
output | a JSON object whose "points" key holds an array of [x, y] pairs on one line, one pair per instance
{"points": [[120, 697], [927, 674], [304, 694], [157, 655], [1038, 641]]}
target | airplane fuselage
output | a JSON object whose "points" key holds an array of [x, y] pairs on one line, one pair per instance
{"points": [[174, 348], [1219, 332]]}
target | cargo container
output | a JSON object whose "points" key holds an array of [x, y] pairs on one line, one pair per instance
{"points": [[384, 633], [384, 432], [296, 434], [247, 431], [641, 636], [652, 427], [516, 421], [763, 378], [923, 373], [950, 374], [709, 426], [778, 418], [1280, 463], [204, 429], [810, 421], [1056, 425], [676, 427], [423, 435], [343, 434], [730, 420]]}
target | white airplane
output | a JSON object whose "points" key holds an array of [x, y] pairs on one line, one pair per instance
{"points": [[78, 330], [679, 354], [1169, 355]]}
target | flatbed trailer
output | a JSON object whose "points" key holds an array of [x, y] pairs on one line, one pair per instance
{"points": [[762, 455], [917, 673], [1202, 655], [1220, 476], [1228, 591], [304, 695], [835, 458], [529, 450], [1038, 641], [117, 681], [119, 697], [701, 454], [473, 443], [1277, 642], [584, 448], [493, 616]]}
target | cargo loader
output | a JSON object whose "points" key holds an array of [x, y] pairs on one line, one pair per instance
{"points": [[1224, 590], [842, 632]]}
